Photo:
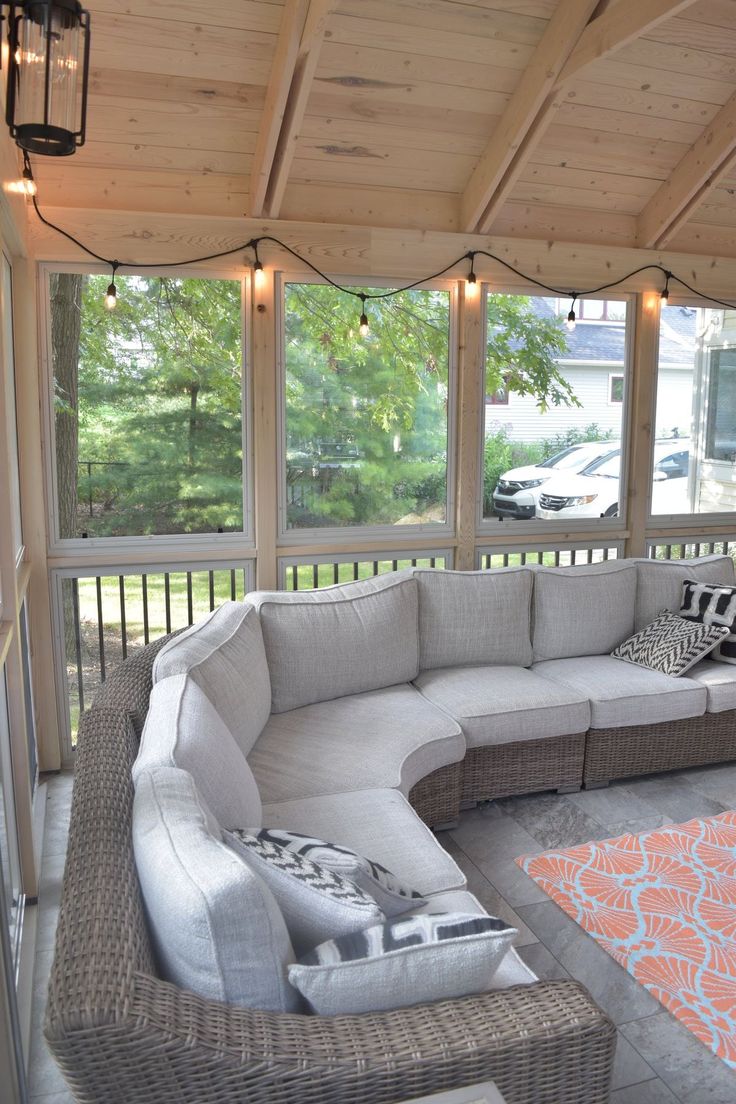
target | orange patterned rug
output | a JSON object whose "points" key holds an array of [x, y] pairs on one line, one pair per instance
{"points": [[663, 904]]}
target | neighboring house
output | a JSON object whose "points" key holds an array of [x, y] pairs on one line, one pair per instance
{"points": [[594, 365]]}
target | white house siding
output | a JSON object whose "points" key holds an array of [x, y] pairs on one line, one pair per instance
{"points": [[524, 422], [675, 401]]}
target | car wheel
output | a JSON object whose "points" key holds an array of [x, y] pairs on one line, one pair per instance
{"points": [[612, 511]]}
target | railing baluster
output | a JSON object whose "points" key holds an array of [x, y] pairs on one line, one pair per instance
{"points": [[144, 582], [190, 601], [167, 600], [336, 573], [212, 589], [294, 577], [233, 592], [78, 643], [356, 570], [315, 576], [100, 628], [375, 567], [123, 630]]}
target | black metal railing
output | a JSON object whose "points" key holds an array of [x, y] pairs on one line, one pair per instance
{"points": [[547, 557], [106, 617], [306, 574], [688, 550]]}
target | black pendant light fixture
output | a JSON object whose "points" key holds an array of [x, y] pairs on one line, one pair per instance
{"points": [[48, 75]]}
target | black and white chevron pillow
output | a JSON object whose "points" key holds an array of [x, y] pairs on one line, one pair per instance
{"points": [[670, 644], [316, 903], [379, 883], [409, 960], [711, 604]]}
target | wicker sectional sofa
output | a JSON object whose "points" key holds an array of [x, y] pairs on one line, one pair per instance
{"points": [[353, 705]]}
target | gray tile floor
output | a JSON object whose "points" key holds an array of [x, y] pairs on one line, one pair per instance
{"points": [[658, 1061]]}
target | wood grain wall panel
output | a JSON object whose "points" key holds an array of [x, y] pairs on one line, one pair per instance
{"points": [[119, 85], [658, 79], [105, 155], [245, 15], [404, 168], [159, 190], [376, 68], [586, 198], [691, 34], [345, 133], [610, 121], [408, 116], [435, 15], [186, 126], [636, 101], [386, 207], [584, 149], [566, 177], [652, 53]]}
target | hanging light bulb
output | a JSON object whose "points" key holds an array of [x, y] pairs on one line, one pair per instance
{"points": [[471, 282], [111, 295], [665, 295], [364, 326], [571, 316], [28, 183], [258, 274]]}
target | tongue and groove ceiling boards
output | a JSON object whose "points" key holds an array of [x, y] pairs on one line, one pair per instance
{"points": [[601, 122]]}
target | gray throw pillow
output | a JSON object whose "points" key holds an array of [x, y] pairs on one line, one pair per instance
{"points": [[316, 903], [385, 888], [671, 644], [403, 962]]}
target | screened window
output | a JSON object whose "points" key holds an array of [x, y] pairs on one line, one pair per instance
{"points": [[147, 405], [563, 408], [695, 446], [366, 418]]}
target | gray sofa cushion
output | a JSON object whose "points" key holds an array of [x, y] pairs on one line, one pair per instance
{"points": [[719, 680], [183, 729], [345, 639], [216, 927], [224, 654], [377, 822], [391, 737], [659, 582], [500, 705], [474, 617], [582, 610], [623, 694]]}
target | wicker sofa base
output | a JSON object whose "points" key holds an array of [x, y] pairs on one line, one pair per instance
{"points": [[526, 766], [643, 749], [436, 798]]}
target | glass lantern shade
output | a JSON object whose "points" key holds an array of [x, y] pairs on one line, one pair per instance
{"points": [[48, 75]]}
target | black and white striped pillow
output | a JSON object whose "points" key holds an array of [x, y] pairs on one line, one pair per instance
{"points": [[390, 893], [711, 604], [407, 961], [671, 644], [316, 903]]}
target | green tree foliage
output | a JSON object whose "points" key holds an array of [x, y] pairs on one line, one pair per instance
{"points": [[160, 407]]}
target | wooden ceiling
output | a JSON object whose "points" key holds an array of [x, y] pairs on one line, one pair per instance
{"points": [[610, 122]]}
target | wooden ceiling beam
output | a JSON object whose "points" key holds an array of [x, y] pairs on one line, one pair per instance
{"points": [[535, 101], [524, 107], [699, 171], [295, 62]]}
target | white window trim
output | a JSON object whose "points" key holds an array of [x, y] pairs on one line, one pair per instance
{"points": [[98, 548], [616, 376], [487, 527], [348, 534]]}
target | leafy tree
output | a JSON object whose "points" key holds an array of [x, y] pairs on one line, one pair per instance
{"points": [[160, 406]]}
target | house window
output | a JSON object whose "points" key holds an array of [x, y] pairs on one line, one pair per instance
{"points": [[553, 408], [720, 432], [147, 405], [365, 418], [615, 389]]}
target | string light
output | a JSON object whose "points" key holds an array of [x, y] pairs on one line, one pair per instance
{"points": [[29, 184], [664, 297], [471, 281], [111, 295], [259, 275], [364, 326]]}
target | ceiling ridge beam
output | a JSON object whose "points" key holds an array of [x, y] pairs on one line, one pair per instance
{"points": [[614, 28], [301, 32], [691, 180]]}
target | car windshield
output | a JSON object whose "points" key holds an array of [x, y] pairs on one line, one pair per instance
{"points": [[608, 465], [561, 459]]}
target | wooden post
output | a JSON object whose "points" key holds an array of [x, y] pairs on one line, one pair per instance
{"points": [[468, 485], [643, 413], [265, 427]]}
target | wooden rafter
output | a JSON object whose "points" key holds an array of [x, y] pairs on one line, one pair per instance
{"points": [[691, 180], [295, 61], [535, 101]]}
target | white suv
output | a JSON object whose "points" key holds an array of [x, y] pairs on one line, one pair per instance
{"points": [[517, 492], [593, 491]]}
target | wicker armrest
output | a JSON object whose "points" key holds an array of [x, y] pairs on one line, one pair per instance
{"points": [[121, 1034]]}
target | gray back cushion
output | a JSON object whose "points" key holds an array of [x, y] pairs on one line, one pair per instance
{"points": [[183, 729], [582, 610], [474, 618], [346, 639], [216, 927], [224, 654], [659, 582]]}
